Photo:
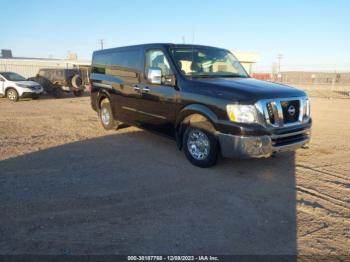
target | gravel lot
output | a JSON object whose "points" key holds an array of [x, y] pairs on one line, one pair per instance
{"points": [[69, 187]]}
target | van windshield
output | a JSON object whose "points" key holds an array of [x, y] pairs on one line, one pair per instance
{"points": [[207, 63], [13, 77]]}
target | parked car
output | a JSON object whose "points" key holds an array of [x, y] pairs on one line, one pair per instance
{"points": [[200, 95], [14, 86], [56, 81]]}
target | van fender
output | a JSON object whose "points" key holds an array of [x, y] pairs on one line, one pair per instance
{"points": [[195, 114], [102, 94]]}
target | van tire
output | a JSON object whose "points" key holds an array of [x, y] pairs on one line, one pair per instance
{"points": [[209, 137], [106, 116], [12, 94]]}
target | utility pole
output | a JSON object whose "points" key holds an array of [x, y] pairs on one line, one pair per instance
{"points": [[193, 33], [101, 43], [279, 57]]}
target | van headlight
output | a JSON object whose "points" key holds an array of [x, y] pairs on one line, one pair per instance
{"points": [[242, 113]]}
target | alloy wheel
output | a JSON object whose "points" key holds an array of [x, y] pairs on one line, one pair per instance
{"points": [[198, 144]]}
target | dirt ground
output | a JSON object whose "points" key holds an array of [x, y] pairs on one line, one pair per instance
{"points": [[69, 187]]}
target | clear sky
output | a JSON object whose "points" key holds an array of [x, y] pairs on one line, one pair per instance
{"points": [[310, 34]]}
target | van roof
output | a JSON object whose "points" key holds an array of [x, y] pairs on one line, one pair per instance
{"points": [[154, 45]]}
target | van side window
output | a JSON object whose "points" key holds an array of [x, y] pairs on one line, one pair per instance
{"points": [[99, 62], [156, 58], [128, 59]]}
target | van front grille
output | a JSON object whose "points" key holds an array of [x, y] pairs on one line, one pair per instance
{"points": [[284, 112], [290, 111], [270, 112]]}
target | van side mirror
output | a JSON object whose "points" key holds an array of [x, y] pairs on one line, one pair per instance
{"points": [[2, 80], [154, 75]]}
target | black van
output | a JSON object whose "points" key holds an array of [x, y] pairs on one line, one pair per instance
{"points": [[201, 96]]}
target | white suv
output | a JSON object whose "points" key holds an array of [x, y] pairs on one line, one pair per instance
{"points": [[14, 86]]}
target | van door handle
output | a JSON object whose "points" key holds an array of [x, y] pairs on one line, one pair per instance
{"points": [[146, 89], [136, 88]]}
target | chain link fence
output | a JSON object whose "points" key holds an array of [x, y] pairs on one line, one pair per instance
{"points": [[30, 68], [319, 84]]}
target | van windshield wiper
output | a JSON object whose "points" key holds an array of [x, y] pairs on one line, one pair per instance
{"points": [[217, 76], [233, 76], [202, 76]]}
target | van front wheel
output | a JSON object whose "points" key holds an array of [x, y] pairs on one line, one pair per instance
{"points": [[200, 147], [106, 116]]}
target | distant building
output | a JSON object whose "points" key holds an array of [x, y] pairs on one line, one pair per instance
{"points": [[72, 56], [6, 53], [247, 59]]}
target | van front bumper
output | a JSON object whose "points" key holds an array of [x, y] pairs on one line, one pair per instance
{"points": [[233, 146]]}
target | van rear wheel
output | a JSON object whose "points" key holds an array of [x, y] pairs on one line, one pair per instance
{"points": [[106, 116], [12, 95]]}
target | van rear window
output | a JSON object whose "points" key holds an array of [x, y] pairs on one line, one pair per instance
{"points": [[127, 59]]}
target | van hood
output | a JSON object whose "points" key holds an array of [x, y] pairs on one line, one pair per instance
{"points": [[245, 89]]}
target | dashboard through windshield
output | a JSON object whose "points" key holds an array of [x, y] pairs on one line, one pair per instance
{"points": [[207, 63]]}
